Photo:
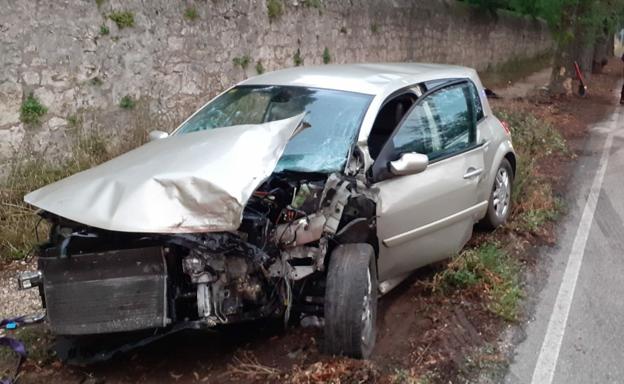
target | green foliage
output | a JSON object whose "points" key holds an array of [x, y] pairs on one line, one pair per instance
{"points": [[72, 121], [32, 110], [564, 16], [326, 56], [104, 30], [123, 19], [491, 267], [242, 61], [127, 102], [191, 14], [375, 28], [275, 9], [313, 4], [259, 68], [297, 59], [99, 3]]}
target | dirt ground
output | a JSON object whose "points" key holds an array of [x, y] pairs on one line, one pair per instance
{"points": [[447, 338]]}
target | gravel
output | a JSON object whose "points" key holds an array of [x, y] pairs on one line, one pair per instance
{"points": [[12, 301]]}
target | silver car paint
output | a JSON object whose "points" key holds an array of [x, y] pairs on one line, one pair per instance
{"points": [[166, 186], [429, 216], [421, 218]]}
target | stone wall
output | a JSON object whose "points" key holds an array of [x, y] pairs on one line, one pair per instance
{"points": [[179, 53]]}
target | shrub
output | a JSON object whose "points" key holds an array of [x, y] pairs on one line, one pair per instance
{"points": [[374, 28], [191, 14], [123, 19], [242, 61], [326, 56], [275, 9], [127, 102], [259, 68], [104, 30], [32, 110], [297, 59]]}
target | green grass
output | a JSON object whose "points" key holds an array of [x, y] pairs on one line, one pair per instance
{"points": [[127, 102], [317, 4], [191, 14], [487, 267], [104, 30], [493, 269], [123, 19], [30, 169], [275, 9], [32, 110]]}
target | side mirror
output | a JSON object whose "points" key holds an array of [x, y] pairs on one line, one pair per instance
{"points": [[157, 135], [409, 163]]}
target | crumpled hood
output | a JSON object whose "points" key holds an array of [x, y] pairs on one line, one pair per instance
{"points": [[196, 182]]}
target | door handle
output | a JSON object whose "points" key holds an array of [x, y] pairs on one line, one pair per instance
{"points": [[473, 172]]}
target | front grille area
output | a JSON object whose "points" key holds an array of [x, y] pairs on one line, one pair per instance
{"points": [[106, 292]]}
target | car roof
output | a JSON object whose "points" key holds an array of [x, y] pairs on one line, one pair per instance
{"points": [[373, 79]]}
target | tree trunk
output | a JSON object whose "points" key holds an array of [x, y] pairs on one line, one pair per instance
{"points": [[603, 49], [573, 45]]}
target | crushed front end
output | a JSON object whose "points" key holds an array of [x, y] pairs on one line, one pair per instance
{"points": [[100, 281]]}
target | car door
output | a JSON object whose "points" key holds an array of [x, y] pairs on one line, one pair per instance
{"points": [[428, 216]]}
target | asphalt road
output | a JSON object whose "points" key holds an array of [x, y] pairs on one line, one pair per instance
{"points": [[576, 334]]}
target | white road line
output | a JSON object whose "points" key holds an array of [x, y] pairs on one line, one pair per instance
{"points": [[549, 354]]}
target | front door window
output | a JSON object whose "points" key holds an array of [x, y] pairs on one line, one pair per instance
{"points": [[439, 126]]}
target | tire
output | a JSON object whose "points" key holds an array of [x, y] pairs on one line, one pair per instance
{"points": [[351, 301], [499, 209]]}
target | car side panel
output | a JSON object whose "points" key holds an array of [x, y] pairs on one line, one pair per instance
{"points": [[427, 217]]}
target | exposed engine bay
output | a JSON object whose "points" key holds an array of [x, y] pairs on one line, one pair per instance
{"points": [[99, 281]]}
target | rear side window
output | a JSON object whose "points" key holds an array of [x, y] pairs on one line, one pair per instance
{"points": [[440, 125]]}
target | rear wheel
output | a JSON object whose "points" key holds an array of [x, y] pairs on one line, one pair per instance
{"points": [[351, 301], [499, 206]]}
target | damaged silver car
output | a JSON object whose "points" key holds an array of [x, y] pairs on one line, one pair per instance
{"points": [[303, 192]]}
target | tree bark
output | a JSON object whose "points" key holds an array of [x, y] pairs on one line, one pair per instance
{"points": [[573, 45], [603, 49]]}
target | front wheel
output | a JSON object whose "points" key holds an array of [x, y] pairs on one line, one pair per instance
{"points": [[351, 301], [499, 206]]}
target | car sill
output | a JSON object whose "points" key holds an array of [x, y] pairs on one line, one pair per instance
{"points": [[432, 227]]}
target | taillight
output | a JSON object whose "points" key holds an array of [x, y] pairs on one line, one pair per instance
{"points": [[506, 127]]}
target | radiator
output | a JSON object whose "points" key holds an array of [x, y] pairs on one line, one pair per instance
{"points": [[113, 291]]}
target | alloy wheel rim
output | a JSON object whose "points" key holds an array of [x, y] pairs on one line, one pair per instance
{"points": [[501, 195]]}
